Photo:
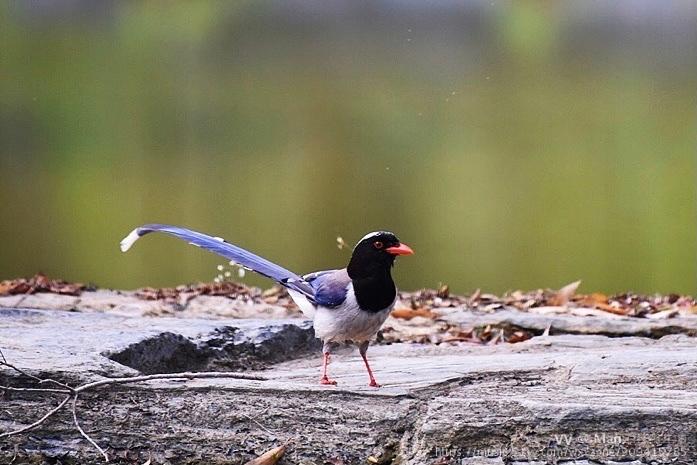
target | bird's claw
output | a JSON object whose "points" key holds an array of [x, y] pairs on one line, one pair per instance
{"points": [[373, 383], [326, 380]]}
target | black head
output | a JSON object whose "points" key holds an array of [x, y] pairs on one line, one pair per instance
{"points": [[374, 254]]}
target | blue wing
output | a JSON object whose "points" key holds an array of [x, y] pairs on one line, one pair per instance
{"points": [[330, 287], [218, 246]]}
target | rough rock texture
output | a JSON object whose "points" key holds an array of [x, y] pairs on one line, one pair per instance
{"points": [[608, 325], [127, 303], [573, 398]]}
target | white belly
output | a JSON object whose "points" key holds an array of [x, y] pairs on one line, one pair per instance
{"points": [[348, 321]]}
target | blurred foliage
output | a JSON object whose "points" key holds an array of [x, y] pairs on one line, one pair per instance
{"points": [[512, 145]]}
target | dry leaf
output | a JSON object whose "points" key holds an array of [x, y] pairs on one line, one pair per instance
{"points": [[594, 299], [270, 457], [273, 291], [548, 310], [670, 313], [409, 313], [6, 287], [564, 294], [443, 291], [616, 309], [271, 300], [582, 311], [519, 336], [474, 298], [40, 283], [225, 289]]}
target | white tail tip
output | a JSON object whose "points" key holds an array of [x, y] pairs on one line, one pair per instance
{"points": [[128, 241]]}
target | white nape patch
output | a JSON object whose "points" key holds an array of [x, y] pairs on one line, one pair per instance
{"points": [[219, 239], [301, 301], [369, 235], [129, 240], [372, 234]]}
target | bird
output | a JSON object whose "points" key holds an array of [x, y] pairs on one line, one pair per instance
{"points": [[347, 305]]}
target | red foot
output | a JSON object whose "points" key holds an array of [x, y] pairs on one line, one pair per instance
{"points": [[326, 380], [373, 383]]}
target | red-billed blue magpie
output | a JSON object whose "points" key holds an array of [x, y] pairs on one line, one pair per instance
{"points": [[347, 305]]}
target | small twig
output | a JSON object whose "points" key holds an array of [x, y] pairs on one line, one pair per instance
{"points": [[134, 379], [39, 421], [73, 393], [172, 376], [57, 383], [82, 432], [259, 424], [4, 362], [54, 391]]}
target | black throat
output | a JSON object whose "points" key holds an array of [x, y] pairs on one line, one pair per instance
{"points": [[375, 293], [374, 288]]}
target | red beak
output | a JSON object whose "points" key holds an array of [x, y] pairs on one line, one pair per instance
{"points": [[401, 249]]}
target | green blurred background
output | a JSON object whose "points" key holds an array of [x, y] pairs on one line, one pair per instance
{"points": [[512, 144]]}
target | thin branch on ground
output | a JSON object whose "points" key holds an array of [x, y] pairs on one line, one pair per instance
{"points": [[259, 424], [39, 421], [4, 362], [72, 393], [82, 432], [170, 376], [48, 390]]}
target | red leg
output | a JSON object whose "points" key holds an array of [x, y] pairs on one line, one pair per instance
{"points": [[363, 349], [325, 379]]}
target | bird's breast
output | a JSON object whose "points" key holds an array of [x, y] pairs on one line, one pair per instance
{"points": [[348, 322]]}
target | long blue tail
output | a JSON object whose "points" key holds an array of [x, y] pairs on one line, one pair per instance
{"points": [[217, 245]]}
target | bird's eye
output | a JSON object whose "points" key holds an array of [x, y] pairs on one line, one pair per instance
{"points": [[378, 244]]}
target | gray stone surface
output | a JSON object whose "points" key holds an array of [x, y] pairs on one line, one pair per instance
{"points": [[93, 344], [554, 399], [126, 303], [607, 325]]}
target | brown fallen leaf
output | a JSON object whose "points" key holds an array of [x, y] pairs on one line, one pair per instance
{"points": [[274, 291], [519, 336], [564, 294], [224, 289], [591, 300], [40, 283], [6, 287], [409, 313], [270, 457], [617, 310]]}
